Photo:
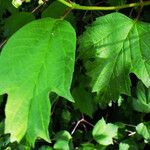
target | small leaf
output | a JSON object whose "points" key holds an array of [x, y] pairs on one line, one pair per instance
{"points": [[66, 116], [142, 102], [38, 60], [104, 133], [62, 140], [63, 135], [55, 10], [144, 130]]}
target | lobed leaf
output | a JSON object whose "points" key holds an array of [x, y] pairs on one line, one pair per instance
{"points": [[112, 48], [38, 60]]}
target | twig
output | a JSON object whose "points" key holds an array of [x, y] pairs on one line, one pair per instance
{"points": [[66, 13], [88, 123], [82, 120], [35, 9], [131, 12], [140, 10], [129, 125], [2, 43], [131, 133], [115, 141], [74, 129]]}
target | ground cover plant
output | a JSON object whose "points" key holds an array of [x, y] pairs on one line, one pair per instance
{"points": [[74, 75]]}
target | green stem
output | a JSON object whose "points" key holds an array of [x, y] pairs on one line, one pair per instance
{"points": [[105, 8]]}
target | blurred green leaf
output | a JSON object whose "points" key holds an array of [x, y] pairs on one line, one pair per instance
{"points": [[7, 5], [128, 144], [4, 140], [55, 10], [84, 101], [45, 148], [88, 146], [58, 10], [16, 21], [142, 102], [66, 116], [143, 129]]}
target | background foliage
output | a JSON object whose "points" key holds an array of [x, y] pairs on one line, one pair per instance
{"points": [[74, 79]]}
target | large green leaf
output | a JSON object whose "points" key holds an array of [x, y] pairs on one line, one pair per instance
{"points": [[142, 102], [38, 59], [112, 48]]}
